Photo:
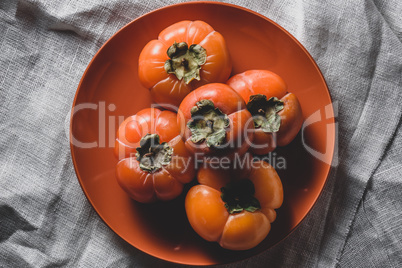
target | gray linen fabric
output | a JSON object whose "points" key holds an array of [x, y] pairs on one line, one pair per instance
{"points": [[45, 219]]}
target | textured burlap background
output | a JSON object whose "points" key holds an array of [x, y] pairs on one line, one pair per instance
{"points": [[45, 219]]}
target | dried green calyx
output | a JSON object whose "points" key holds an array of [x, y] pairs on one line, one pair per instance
{"points": [[185, 62], [239, 196], [152, 154], [208, 123], [265, 112]]}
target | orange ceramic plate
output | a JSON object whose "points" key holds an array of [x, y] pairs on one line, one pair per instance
{"points": [[110, 91]]}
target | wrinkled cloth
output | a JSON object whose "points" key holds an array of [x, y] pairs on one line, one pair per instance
{"points": [[45, 218]]}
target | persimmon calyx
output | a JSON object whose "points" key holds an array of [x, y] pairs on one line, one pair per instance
{"points": [[153, 155], [185, 62], [265, 112], [239, 195], [208, 123]]}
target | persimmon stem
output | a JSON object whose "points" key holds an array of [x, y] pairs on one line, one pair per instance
{"points": [[239, 196], [265, 112], [208, 123], [185, 62], [152, 154]]}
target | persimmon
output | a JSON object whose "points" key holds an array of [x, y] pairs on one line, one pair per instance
{"points": [[186, 55], [154, 163], [235, 207], [276, 112], [214, 121]]}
